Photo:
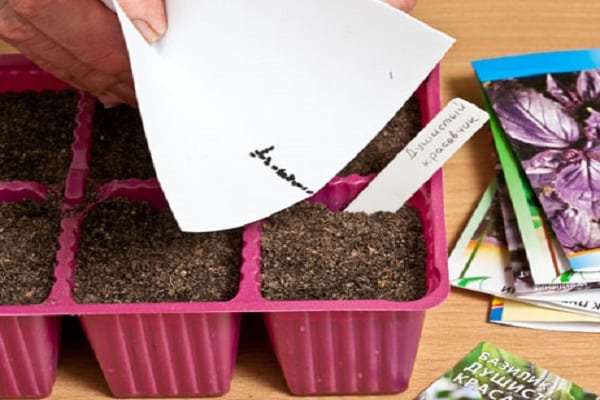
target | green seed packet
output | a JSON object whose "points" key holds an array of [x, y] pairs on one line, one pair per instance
{"points": [[491, 373], [481, 261], [545, 117]]}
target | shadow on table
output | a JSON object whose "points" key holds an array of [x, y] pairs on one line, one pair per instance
{"points": [[77, 363], [256, 361]]}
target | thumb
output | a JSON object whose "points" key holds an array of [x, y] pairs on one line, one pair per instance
{"points": [[404, 5], [148, 16]]}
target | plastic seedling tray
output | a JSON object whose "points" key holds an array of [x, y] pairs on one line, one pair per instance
{"points": [[189, 348]]}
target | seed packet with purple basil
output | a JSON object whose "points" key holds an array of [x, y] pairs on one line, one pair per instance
{"points": [[490, 373], [541, 269], [480, 262], [545, 111], [524, 286]]}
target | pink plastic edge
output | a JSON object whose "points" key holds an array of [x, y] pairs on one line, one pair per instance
{"points": [[429, 200], [18, 74], [80, 152], [165, 355], [159, 354], [364, 352], [346, 352], [248, 298], [28, 343], [60, 301], [28, 355]]}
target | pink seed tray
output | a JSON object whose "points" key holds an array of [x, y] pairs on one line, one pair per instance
{"points": [[189, 349]]}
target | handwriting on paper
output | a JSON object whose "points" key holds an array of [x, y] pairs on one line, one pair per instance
{"points": [[279, 171], [425, 154], [454, 124]]}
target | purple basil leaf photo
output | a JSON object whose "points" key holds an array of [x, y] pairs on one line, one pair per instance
{"points": [[554, 130], [575, 230], [588, 86], [541, 170], [551, 204], [530, 117], [579, 181], [548, 161], [563, 94], [592, 126]]}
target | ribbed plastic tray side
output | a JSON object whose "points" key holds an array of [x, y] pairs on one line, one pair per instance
{"points": [[159, 353], [361, 352], [165, 355], [346, 352], [28, 344], [28, 356]]}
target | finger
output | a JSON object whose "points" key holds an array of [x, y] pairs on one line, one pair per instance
{"points": [[85, 28], [404, 5], [109, 99], [148, 16], [121, 93], [50, 56]]}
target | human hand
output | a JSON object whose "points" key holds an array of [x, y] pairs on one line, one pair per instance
{"points": [[80, 41], [404, 5]]}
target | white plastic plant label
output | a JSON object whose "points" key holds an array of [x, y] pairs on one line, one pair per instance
{"points": [[421, 158], [250, 106]]}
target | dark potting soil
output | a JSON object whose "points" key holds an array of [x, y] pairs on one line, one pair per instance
{"points": [[389, 141], [132, 253], [119, 146], [36, 132], [311, 253], [29, 233]]}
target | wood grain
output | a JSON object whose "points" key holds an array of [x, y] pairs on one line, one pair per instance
{"points": [[483, 28]]}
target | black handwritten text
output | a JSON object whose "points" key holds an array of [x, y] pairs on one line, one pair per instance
{"points": [[280, 172]]}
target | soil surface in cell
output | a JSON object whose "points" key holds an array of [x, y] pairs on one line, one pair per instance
{"points": [[119, 147], [389, 141], [132, 253], [311, 253], [29, 233], [36, 133]]}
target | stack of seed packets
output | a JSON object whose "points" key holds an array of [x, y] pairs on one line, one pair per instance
{"points": [[490, 373], [483, 261], [535, 236]]}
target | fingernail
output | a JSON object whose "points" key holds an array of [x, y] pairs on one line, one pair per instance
{"points": [[109, 100], [148, 32], [109, 104], [123, 92]]}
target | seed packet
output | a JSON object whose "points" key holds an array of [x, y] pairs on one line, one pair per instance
{"points": [[567, 280], [545, 111], [530, 315], [481, 262], [527, 272], [491, 373], [480, 259]]}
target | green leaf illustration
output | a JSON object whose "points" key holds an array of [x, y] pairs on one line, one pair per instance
{"points": [[464, 282], [565, 277], [562, 394]]}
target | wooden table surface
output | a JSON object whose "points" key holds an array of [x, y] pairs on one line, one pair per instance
{"points": [[483, 28]]}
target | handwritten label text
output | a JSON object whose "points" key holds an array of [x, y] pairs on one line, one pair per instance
{"points": [[419, 160], [454, 124], [279, 171]]}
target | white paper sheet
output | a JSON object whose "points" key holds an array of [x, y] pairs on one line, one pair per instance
{"points": [[252, 105], [536, 316], [421, 158]]}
